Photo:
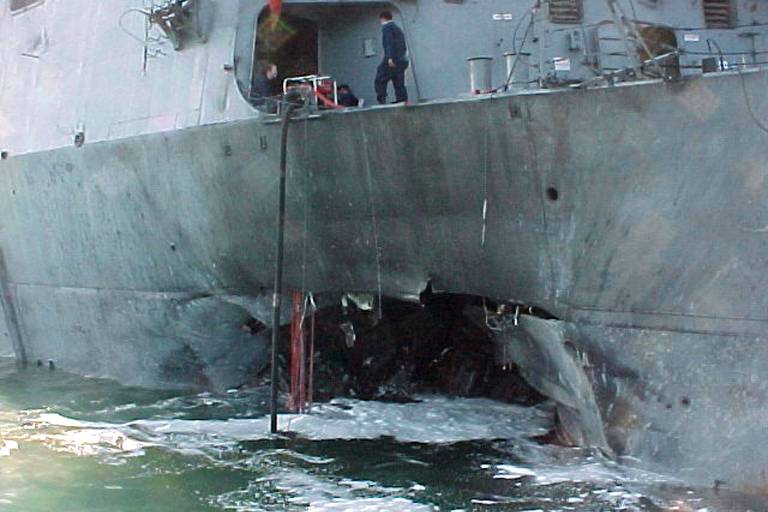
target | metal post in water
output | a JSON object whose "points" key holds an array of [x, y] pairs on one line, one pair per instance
{"points": [[279, 256]]}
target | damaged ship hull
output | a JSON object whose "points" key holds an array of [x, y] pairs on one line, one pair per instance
{"points": [[635, 215]]}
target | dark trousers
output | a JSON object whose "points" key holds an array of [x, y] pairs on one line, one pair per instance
{"points": [[396, 75]]}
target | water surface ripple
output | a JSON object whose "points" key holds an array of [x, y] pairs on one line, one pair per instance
{"points": [[73, 444]]}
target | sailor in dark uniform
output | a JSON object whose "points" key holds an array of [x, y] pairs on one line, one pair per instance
{"points": [[346, 97], [395, 62], [262, 93]]}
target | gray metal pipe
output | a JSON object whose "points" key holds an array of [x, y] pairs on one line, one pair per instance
{"points": [[279, 257]]}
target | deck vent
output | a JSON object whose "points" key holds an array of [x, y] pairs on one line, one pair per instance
{"points": [[566, 11], [719, 13]]}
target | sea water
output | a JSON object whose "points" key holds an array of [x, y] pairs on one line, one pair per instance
{"points": [[74, 444]]}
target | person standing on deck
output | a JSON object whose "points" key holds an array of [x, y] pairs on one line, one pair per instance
{"points": [[395, 62]]}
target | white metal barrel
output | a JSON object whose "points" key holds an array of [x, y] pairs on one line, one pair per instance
{"points": [[480, 75], [518, 70]]}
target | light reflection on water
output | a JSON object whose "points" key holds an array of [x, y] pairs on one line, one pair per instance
{"points": [[68, 443]]}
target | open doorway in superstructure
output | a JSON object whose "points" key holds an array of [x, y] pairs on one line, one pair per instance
{"points": [[341, 42], [291, 42]]}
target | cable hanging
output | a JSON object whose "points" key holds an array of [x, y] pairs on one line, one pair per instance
{"points": [[760, 124]]}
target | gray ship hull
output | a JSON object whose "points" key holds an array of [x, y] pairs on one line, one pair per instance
{"points": [[635, 215]]}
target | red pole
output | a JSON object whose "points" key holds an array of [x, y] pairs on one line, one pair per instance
{"points": [[310, 382], [296, 359], [302, 354]]}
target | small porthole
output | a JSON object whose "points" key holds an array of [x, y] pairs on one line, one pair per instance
{"points": [[553, 194]]}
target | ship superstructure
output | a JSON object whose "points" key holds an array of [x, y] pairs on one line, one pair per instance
{"points": [[111, 71]]}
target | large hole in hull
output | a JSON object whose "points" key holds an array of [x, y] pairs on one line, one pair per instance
{"points": [[441, 345]]}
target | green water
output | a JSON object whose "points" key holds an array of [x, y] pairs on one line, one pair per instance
{"points": [[92, 466]]}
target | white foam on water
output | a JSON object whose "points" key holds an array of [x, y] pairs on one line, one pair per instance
{"points": [[509, 472], [64, 434], [7, 447], [318, 494], [62, 421], [298, 487], [609, 483], [370, 505], [436, 420], [89, 442], [585, 470], [432, 420]]}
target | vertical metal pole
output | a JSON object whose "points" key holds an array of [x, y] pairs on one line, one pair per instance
{"points": [[279, 256], [11, 317], [540, 45]]}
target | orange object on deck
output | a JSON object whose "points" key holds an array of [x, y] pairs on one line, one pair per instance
{"points": [[275, 11], [326, 101], [276, 7]]}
